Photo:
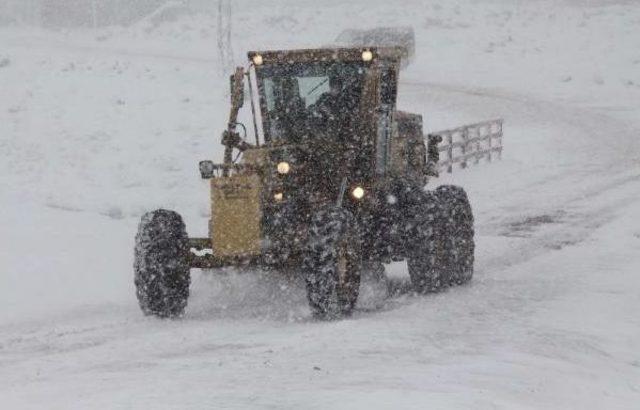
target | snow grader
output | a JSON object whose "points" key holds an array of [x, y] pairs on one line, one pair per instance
{"points": [[332, 186]]}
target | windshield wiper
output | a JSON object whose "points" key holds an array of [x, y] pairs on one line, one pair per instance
{"points": [[318, 86]]}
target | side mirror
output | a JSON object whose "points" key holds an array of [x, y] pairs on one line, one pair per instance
{"points": [[237, 87], [207, 169]]}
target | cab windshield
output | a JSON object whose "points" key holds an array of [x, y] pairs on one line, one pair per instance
{"points": [[309, 99]]}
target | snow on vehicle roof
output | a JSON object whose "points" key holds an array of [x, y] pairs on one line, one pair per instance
{"points": [[327, 54]]}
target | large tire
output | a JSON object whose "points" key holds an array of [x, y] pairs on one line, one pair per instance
{"points": [[161, 264], [332, 264], [423, 238], [458, 233]]}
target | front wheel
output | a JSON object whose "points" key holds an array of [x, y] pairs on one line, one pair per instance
{"points": [[161, 264], [332, 264]]}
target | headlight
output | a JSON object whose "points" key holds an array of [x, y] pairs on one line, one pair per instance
{"points": [[278, 196], [367, 55], [257, 59], [283, 167], [358, 192]]}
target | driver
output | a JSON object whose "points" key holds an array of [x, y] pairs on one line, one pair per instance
{"points": [[334, 108], [289, 109]]}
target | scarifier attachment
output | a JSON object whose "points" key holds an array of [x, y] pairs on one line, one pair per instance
{"points": [[469, 143]]}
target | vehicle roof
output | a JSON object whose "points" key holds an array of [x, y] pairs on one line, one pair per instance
{"points": [[394, 54]]}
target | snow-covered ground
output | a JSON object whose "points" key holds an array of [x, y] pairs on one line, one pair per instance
{"points": [[96, 127]]}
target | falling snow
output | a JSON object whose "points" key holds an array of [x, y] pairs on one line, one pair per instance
{"points": [[106, 111]]}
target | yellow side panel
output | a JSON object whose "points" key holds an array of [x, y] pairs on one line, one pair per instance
{"points": [[236, 215], [255, 156]]}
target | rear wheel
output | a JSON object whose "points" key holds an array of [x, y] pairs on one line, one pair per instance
{"points": [[425, 262], [161, 264], [458, 233], [332, 264]]}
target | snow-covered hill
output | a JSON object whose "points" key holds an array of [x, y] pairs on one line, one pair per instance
{"points": [[98, 126]]}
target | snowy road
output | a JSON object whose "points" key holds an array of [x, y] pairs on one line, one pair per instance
{"points": [[542, 329], [549, 321]]}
